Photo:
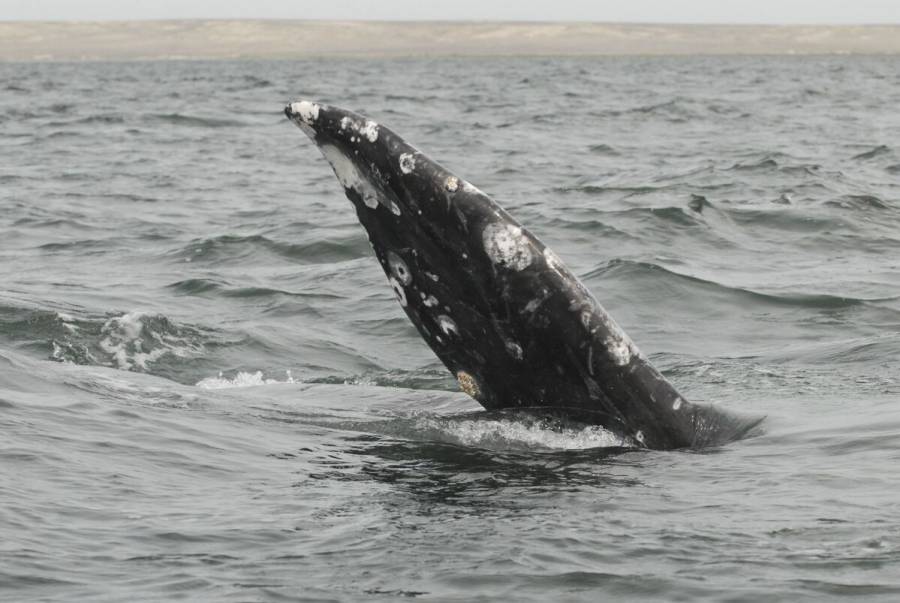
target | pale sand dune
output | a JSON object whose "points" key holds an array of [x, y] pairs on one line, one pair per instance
{"points": [[68, 41]]}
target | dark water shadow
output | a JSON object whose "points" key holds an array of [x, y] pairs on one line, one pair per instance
{"points": [[450, 474]]}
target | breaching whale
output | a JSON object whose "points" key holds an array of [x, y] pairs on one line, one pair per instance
{"points": [[498, 307]]}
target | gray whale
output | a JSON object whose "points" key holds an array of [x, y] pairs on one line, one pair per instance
{"points": [[515, 327]]}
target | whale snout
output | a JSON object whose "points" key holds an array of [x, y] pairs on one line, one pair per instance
{"points": [[307, 115]]}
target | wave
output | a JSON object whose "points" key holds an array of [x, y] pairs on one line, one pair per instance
{"points": [[777, 162], [601, 189], [677, 110], [698, 203], [132, 341], [106, 119], [250, 82], [877, 349], [873, 153], [859, 202], [194, 121], [423, 379], [597, 228], [86, 246], [627, 269], [603, 149], [320, 250], [220, 288]]}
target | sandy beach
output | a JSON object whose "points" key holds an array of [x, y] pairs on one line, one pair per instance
{"points": [[154, 40]]}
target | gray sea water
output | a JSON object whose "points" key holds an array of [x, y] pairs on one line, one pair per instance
{"points": [[208, 391]]}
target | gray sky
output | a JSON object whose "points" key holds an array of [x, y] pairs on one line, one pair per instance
{"points": [[658, 11]]}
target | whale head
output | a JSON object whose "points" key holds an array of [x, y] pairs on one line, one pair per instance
{"points": [[394, 187], [444, 245], [501, 311]]}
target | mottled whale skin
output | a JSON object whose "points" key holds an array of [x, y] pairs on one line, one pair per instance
{"points": [[499, 308]]}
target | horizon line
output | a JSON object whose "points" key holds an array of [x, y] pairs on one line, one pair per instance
{"points": [[469, 21]]}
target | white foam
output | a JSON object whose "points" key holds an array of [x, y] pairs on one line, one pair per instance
{"points": [[242, 379], [67, 320], [124, 338], [507, 433]]}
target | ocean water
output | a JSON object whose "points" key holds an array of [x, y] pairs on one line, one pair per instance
{"points": [[208, 391]]}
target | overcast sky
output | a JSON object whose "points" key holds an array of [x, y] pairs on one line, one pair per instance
{"points": [[658, 11]]}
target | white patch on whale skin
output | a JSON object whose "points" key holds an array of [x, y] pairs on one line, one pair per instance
{"points": [[407, 163], [507, 246], [533, 305], [677, 403], [451, 184], [619, 350], [346, 122], [370, 130], [586, 319], [308, 112], [399, 268], [395, 209], [447, 325], [430, 301], [348, 175], [398, 289], [620, 347], [514, 349]]}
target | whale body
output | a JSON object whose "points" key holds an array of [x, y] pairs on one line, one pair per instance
{"points": [[502, 312]]}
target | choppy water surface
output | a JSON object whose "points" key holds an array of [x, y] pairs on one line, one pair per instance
{"points": [[208, 392]]}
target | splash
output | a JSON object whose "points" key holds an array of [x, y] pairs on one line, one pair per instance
{"points": [[135, 339], [132, 341], [242, 379], [520, 434]]}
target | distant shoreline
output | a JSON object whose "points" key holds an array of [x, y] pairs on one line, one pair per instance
{"points": [[281, 39]]}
